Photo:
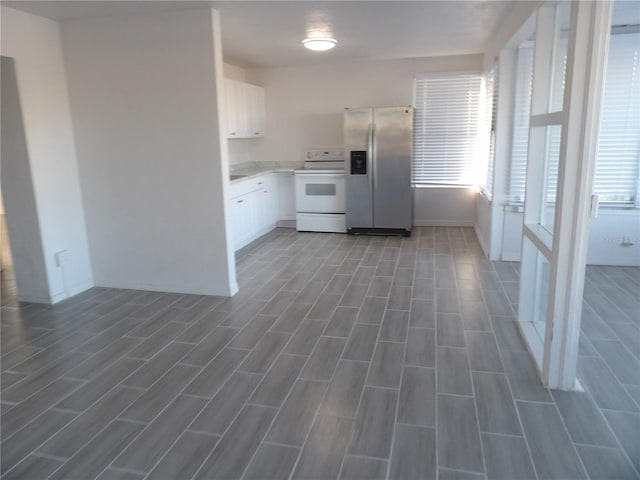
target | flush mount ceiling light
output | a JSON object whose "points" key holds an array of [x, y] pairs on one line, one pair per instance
{"points": [[319, 44]]}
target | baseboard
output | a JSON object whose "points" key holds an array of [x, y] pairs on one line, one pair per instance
{"points": [[614, 263], [442, 223], [168, 288], [286, 224], [510, 257], [30, 299], [80, 287], [482, 241]]}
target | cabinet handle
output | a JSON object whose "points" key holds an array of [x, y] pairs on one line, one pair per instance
{"points": [[259, 183], [233, 133], [240, 201], [266, 191], [256, 133]]}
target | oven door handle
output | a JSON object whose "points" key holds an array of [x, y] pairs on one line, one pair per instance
{"points": [[318, 176]]}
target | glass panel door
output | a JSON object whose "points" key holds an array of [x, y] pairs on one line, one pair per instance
{"points": [[543, 163], [570, 43]]}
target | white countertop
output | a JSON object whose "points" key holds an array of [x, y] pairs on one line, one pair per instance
{"points": [[254, 169]]}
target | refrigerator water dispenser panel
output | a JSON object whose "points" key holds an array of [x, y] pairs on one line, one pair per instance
{"points": [[358, 162]]}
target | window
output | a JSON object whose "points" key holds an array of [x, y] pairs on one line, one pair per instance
{"points": [[618, 156], [519, 146], [490, 125], [446, 140], [617, 176]]}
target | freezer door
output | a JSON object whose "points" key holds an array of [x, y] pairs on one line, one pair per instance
{"points": [[358, 131], [392, 149]]}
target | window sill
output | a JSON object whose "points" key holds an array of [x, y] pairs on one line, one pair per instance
{"points": [[602, 209], [439, 185]]}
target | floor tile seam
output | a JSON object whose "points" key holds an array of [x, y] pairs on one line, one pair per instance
{"points": [[613, 410], [357, 410], [593, 445], [624, 346], [567, 432], [508, 380], [488, 371], [472, 472], [44, 367], [15, 372], [70, 392], [66, 410], [246, 402], [202, 432], [618, 440], [34, 451], [468, 356], [102, 368], [566, 429], [44, 455], [115, 418], [616, 380], [125, 470], [324, 395], [502, 434], [147, 425], [5, 354], [435, 354], [402, 366], [601, 411], [170, 447]]}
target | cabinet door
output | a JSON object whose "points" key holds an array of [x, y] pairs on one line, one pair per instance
{"points": [[286, 196], [235, 108], [267, 200], [238, 219], [255, 104]]}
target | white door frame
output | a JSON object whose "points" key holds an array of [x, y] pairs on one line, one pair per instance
{"points": [[566, 250]]}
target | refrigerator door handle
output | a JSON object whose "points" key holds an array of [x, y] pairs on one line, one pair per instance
{"points": [[374, 157], [370, 155]]}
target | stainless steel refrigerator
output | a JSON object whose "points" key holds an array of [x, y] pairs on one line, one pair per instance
{"points": [[379, 143]]}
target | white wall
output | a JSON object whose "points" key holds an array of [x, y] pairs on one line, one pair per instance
{"points": [[17, 186], [305, 105], [145, 94], [483, 222], [34, 43], [445, 207], [509, 28], [234, 72]]}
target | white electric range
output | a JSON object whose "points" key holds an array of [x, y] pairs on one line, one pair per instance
{"points": [[320, 197]]}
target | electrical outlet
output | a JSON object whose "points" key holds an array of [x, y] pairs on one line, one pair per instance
{"points": [[626, 241], [62, 258]]}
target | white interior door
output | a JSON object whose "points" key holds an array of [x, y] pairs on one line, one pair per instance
{"points": [[570, 45]]}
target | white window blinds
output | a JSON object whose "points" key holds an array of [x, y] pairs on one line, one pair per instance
{"points": [[617, 175], [491, 118], [618, 157], [517, 173], [446, 129]]}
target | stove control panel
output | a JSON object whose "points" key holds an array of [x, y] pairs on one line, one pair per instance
{"points": [[324, 155]]}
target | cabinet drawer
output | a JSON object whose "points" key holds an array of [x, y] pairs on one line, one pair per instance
{"points": [[251, 185]]}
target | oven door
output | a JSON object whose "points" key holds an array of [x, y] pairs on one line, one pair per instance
{"points": [[319, 192]]}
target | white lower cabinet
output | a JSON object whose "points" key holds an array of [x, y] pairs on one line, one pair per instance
{"points": [[254, 208]]}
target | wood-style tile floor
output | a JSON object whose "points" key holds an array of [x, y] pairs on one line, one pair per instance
{"points": [[341, 357]]}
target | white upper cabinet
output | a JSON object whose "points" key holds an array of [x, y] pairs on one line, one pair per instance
{"points": [[245, 105], [256, 112]]}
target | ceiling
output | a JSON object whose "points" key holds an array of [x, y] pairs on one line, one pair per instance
{"points": [[269, 33]]}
